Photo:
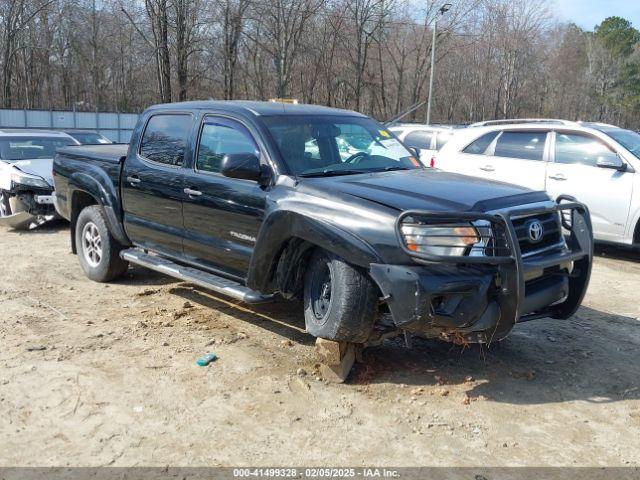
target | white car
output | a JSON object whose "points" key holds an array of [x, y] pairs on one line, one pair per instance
{"points": [[427, 139], [596, 163], [26, 181]]}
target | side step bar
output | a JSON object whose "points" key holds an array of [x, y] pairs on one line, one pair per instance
{"points": [[192, 275]]}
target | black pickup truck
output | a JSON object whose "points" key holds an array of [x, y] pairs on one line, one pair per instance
{"points": [[254, 199]]}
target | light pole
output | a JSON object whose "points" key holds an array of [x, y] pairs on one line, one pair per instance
{"points": [[445, 8]]}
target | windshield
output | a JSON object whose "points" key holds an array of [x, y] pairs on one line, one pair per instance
{"points": [[89, 138], [337, 145], [628, 139], [28, 148]]}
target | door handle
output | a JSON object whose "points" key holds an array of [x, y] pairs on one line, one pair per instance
{"points": [[488, 168], [192, 193], [558, 176], [133, 180]]}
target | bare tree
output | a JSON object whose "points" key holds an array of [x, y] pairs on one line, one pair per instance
{"points": [[495, 58], [158, 20], [15, 16], [232, 15], [282, 26]]}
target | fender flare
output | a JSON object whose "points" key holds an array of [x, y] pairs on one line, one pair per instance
{"points": [[282, 226], [105, 195]]}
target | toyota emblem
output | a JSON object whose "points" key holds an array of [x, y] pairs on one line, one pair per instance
{"points": [[535, 231]]}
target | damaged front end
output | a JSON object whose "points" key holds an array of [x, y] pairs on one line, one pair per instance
{"points": [[475, 275], [28, 202]]}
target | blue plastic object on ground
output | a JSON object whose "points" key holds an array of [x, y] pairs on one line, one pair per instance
{"points": [[207, 359]]}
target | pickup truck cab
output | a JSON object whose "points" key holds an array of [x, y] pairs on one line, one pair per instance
{"points": [[254, 199]]}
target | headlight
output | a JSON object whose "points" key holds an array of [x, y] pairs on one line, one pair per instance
{"points": [[439, 239], [21, 178]]}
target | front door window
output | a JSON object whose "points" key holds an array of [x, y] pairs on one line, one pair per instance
{"points": [[572, 148], [220, 137]]}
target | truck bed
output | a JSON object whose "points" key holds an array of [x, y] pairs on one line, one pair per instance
{"points": [[99, 165], [115, 152]]}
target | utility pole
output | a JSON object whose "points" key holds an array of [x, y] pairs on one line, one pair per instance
{"points": [[445, 8]]}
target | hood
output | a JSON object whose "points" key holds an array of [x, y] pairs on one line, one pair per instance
{"points": [[429, 189], [41, 167]]}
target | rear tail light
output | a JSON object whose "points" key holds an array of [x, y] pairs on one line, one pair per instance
{"points": [[432, 163]]}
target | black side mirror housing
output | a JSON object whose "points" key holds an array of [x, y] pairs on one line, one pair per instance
{"points": [[245, 166], [612, 164]]}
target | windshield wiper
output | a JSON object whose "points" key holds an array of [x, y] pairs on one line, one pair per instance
{"points": [[329, 172], [391, 169], [386, 169]]}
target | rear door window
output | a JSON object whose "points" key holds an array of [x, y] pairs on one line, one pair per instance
{"points": [[479, 146], [419, 139], [165, 138], [582, 149], [523, 145]]}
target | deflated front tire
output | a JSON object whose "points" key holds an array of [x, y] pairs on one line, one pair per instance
{"points": [[340, 301]]}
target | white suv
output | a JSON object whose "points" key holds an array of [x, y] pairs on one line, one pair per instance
{"points": [[596, 163], [427, 139]]}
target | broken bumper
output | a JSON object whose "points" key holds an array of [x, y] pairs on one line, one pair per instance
{"points": [[18, 221], [30, 209], [481, 298]]}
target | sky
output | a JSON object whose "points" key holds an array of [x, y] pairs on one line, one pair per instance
{"points": [[589, 13]]}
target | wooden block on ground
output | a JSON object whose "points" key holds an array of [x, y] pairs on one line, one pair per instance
{"points": [[336, 359]]}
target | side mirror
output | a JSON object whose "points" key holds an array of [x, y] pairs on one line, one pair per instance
{"points": [[612, 162], [245, 166]]}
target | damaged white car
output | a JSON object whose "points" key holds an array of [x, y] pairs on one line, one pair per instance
{"points": [[26, 181]]}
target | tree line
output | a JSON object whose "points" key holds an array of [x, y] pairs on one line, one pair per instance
{"points": [[494, 58]]}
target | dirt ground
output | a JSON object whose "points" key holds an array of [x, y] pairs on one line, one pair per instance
{"points": [[94, 375]]}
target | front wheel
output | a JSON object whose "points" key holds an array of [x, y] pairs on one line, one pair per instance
{"points": [[98, 251], [339, 301]]}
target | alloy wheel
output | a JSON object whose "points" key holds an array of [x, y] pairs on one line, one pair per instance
{"points": [[91, 244]]}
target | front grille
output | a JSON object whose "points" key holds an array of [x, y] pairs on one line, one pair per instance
{"points": [[551, 231], [495, 241]]}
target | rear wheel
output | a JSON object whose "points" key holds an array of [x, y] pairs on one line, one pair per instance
{"points": [[339, 301], [98, 251]]}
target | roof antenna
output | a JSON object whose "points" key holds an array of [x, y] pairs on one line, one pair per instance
{"points": [[412, 108]]}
